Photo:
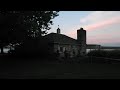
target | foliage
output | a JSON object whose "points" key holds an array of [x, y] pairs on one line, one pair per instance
{"points": [[18, 26], [105, 53]]}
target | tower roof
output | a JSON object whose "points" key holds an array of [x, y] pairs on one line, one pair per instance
{"points": [[81, 28], [58, 28]]}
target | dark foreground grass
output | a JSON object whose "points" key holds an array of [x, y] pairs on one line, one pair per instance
{"points": [[47, 69]]}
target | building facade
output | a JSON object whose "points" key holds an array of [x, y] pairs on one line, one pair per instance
{"points": [[61, 43]]}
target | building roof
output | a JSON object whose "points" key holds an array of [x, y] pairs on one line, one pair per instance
{"points": [[60, 38]]}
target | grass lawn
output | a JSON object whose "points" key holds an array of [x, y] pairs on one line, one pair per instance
{"points": [[37, 69]]}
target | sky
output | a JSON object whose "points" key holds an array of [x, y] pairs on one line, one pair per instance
{"points": [[103, 27]]}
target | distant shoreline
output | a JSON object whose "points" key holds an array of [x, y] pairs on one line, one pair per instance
{"points": [[7, 49]]}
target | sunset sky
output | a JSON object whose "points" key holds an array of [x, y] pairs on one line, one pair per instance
{"points": [[103, 27]]}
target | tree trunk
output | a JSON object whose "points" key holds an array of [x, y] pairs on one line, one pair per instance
{"points": [[1, 49]]}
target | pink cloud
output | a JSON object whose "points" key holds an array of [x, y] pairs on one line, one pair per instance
{"points": [[103, 23], [98, 25], [99, 38], [103, 38], [73, 34], [103, 41]]}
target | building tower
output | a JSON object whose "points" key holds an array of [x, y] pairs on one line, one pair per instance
{"points": [[81, 39], [58, 30]]}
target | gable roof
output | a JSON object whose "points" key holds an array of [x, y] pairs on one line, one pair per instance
{"points": [[60, 38]]}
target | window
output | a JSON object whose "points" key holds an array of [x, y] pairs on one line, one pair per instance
{"points": [[61, 49]]}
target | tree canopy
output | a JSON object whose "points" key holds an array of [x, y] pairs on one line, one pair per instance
{"points": [[16, 26]]}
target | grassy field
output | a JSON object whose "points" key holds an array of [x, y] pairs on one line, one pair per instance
{"points": [[82, 68]]}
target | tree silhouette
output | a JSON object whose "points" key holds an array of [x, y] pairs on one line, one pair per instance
{"points": [[17, 26]]}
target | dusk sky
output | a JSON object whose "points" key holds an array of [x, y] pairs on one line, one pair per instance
{"points": [[103, 27]]}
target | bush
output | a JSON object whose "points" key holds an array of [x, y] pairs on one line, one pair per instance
{"points": [[105, 53]]}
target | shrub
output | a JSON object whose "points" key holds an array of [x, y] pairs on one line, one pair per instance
{"points": [[105, 53]]}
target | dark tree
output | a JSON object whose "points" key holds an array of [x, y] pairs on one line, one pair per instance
{"points": [[7, 22], [37, 22], [17, 26]]}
